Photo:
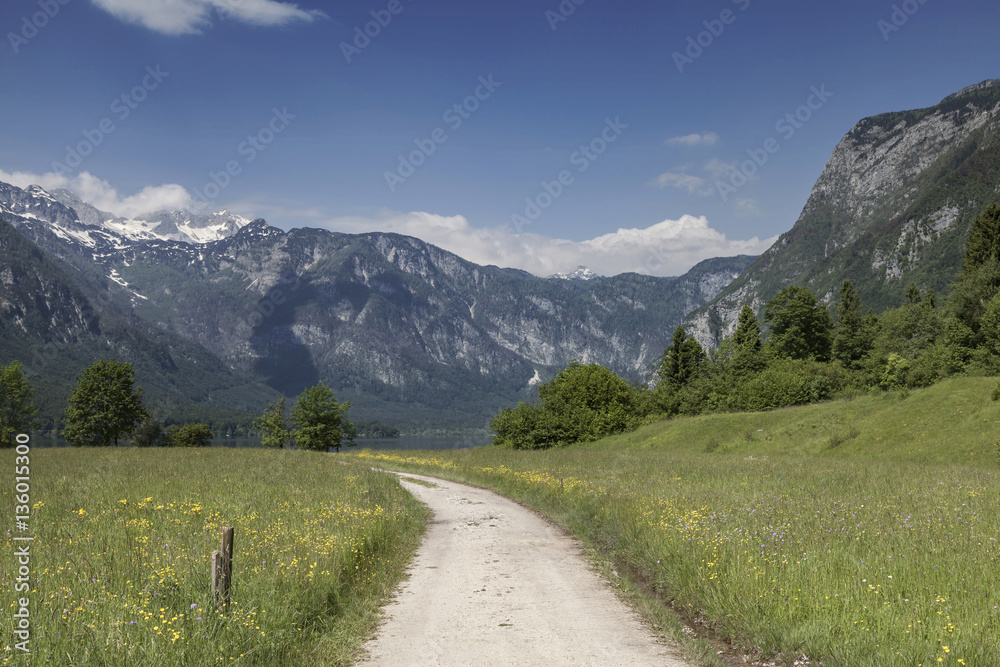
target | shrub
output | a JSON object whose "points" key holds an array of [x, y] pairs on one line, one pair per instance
{"points": [[895, 372], [188, 435], [149, 434], [784, 383], [582, 403]]}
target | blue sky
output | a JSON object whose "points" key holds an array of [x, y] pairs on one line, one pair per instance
{"points": [[587, 113]]}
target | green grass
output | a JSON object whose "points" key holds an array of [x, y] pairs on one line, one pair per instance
{"points": [[121, 556], [951, 422], [859, 532]]}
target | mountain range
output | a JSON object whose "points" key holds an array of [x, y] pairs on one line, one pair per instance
{"points": [[221, 314], [409, 333]]}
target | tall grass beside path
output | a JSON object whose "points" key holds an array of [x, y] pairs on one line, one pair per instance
{"points": [[851, 560], [123, 539]]}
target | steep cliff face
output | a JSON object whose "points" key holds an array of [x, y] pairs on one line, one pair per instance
{"points": [[56, 323], [893, 206], [382, 317]]}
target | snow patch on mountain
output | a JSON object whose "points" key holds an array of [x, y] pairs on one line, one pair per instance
{"points": [[579, 273], [163, 225]]}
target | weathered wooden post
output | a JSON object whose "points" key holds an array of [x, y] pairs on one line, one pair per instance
{"points": [[222, 570], [216, 577], [227, 564], [560, 485]]}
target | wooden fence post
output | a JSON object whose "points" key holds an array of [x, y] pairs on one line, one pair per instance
{"points": [[227, 564], [216, 577]]}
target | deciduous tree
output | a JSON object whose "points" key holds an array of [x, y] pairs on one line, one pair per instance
{"points": [[800, 325], [320, 422], [105, 406], [148, 434]]}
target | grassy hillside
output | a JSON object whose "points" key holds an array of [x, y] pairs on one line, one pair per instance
{"points": [[858, 533], [954, 421]]}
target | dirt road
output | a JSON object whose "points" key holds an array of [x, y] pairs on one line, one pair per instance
{"points": [[494, 584]]}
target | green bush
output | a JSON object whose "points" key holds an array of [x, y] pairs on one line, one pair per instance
{"points": [[148, 434], [782, 384], [582, 403], [894, 375], [188, 435]]}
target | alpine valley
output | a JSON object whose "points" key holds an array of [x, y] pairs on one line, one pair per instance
{"points": [[220, 314]]}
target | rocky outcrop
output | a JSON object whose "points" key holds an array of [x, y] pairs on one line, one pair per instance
{"points": [[892, 206]]}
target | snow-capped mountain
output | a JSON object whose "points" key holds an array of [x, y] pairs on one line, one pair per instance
{"points": [[387, 321], [163, 225]]}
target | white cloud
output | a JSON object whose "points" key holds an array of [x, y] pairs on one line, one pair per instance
{"points": [[706, 139], [101, 195], [678, 179], [667, 248], [189, 17]]}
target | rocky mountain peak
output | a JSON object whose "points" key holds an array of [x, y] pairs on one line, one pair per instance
{"points": [[974, 88]]}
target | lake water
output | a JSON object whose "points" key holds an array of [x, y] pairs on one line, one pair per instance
{"points": [[402, 442]]}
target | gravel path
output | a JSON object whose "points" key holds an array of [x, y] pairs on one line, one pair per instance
{"points": [[494, 584]]}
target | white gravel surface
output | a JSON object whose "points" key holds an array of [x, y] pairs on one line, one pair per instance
{"points": [[495, 584]]}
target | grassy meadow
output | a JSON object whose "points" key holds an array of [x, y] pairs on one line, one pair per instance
{"points": [[859, 532], [123, 538]]}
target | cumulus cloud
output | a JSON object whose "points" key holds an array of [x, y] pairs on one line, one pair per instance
{"points": [[102, 195], [706, 139], [667, 248], [189, 17]]}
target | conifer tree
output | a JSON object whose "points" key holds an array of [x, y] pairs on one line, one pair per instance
{"points": [[273, 426], [682, 361], [853, 339], [747, 357], [16, 403]]}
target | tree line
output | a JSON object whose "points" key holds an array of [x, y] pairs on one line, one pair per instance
{"points": [[106, 407], [797, 353]]}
